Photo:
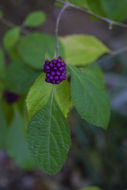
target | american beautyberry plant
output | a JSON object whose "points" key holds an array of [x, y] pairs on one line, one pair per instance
{"points": [[47, 76]]}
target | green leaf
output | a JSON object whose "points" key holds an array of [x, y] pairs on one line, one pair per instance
{"points": [[20, 77], [1, 86], [8, 111], [49, 137], [3, 128], [97, 70], [35, 19], [38, 95], [115, 10], [58, 4], [62, 94], [82, 49], [96, 7], [34, 47], [91, 188], [1, 61], [11, 37], [89, 97], [13, 53], [16, 144], [20, 104], [2, 80], [80, 3], [2, 69]]}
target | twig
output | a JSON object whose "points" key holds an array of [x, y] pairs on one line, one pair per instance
{"points": [[6, 22], [110, 22], [12, 25], [112, 54], [66, 4], [119, 51]]}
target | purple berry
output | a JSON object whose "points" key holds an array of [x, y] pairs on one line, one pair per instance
{"points": [[63, 64], [53, 81], [47, 67], [56, 77], [53, 73], [63, 73], [51, 65], [59, 60], [47, 80], [61, 77], [51, 77], [10, 97], [47, 62], [58, 81], [61, 69], [58, 65], [58, 73], [69, 78], [48, 75], [54, 61], [55, 68]]}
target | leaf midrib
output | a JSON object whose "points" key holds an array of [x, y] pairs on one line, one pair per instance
{"points": [[50, 116]]}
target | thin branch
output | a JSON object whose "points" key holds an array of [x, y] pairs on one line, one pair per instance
{"points": [[66, 4], [110, 22], [112, 54], [119, 51], [12, 25], [6, 22]]}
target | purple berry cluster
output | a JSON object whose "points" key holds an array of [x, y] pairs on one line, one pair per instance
{"points": [[55, 71]]}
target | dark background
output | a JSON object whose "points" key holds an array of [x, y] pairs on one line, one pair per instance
{"points": [[97, 157]]}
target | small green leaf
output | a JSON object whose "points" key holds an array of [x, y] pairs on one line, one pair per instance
{"points": [[16, 144], [20, 77], [1, 61], [63, 97], [35, 19], [82, 49], [38, 95], [11, 37], [34, 47], [91, 188], [49, 137], [89, 97]]}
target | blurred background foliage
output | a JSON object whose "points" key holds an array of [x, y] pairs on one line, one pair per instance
{"points": [[97, 157]]}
